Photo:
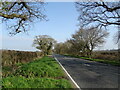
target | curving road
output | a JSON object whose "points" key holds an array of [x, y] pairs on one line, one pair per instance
{"points": [[90, 75]]}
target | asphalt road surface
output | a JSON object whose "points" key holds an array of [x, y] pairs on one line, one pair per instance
{"points": [[90, 74]]}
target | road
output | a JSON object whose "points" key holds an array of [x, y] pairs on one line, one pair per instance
{"points": [[90, 74]]}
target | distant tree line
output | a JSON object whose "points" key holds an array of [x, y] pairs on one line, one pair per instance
{"points": [[82, 42]]}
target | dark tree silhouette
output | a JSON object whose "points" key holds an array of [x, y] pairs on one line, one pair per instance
{"points": [[21, 14], [99, 13]]}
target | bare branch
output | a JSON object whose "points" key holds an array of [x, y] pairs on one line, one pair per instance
{"points": [[99, 13], [23, 13]]}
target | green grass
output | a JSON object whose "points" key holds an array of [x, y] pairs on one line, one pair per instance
{"points": [[112, 62], [45, 67], [41, 73], [22, 82]]}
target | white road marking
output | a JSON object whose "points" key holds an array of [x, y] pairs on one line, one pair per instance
{"points": [[68, 74]]}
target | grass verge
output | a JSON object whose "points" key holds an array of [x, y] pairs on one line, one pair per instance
{"points": [[112, 62], [41, 73]]}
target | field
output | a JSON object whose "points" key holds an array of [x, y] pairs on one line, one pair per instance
{"points": [[42, 72], [108, 57]]}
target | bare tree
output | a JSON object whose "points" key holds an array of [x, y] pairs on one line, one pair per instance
{"points": [[86, 40], [59, 48], [116, 37], [98, 13], [77, 45], [63, 48], [18, 15], [44, 43]]}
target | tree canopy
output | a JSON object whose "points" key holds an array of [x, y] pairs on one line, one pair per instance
{"points": [[44, 43]]}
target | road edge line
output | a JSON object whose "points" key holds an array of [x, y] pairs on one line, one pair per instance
{"points": [[68, 74]]}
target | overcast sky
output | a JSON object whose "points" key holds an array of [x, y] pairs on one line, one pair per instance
{"points": [[62, 23]]}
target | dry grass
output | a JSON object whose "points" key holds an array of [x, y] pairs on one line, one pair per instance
{"points": [[106, 55]]}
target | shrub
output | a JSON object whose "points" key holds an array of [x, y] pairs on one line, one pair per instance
{"points": [[11, 57]]}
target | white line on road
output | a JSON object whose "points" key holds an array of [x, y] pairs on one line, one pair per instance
{"points": [[68, 74]]}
